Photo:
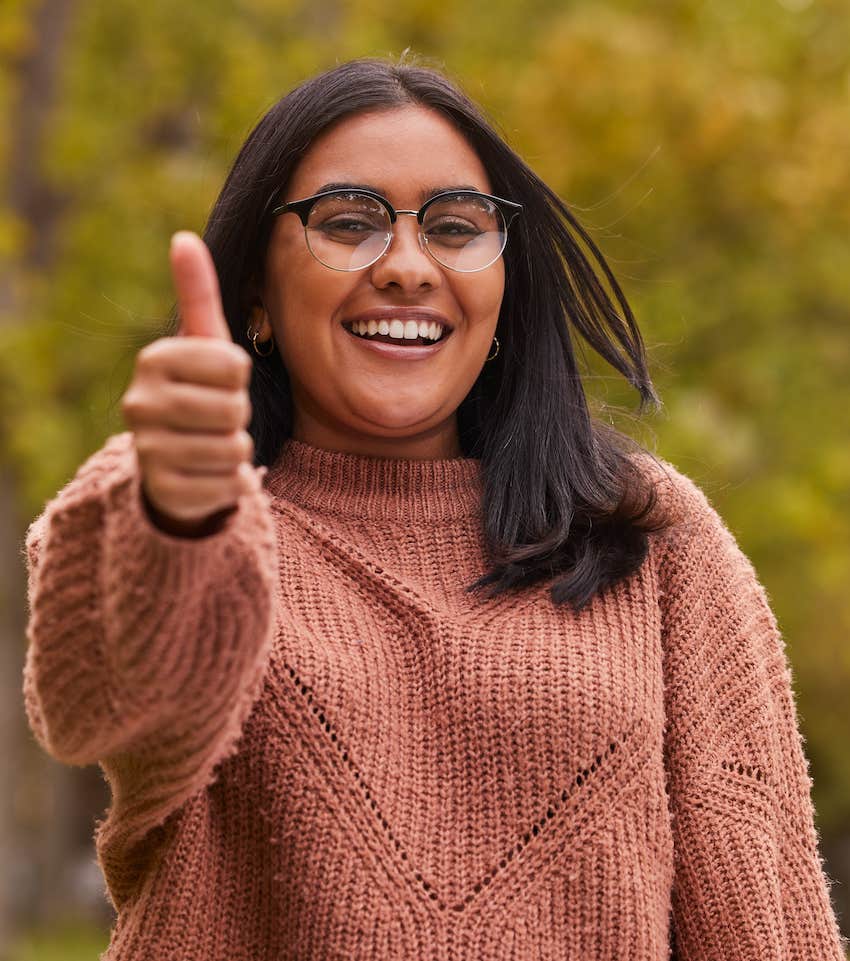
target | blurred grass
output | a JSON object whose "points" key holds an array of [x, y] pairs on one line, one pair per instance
{"points": [[71, 941]]}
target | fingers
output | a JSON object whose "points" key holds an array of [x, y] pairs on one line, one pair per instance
{"points": [[212, 363], [187, 407], [196, 453], [196, 284]]}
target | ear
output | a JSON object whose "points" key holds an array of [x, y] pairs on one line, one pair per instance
{"points": [[255, 308], [258, 320]]}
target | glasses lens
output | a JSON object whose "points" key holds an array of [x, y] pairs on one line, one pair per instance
{"points": [[465, 232], [348, 231]]}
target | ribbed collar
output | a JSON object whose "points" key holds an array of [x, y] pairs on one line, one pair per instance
{"points": [[380, 488]]}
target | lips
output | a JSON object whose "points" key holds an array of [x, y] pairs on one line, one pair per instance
{"points": [[401, 326]]}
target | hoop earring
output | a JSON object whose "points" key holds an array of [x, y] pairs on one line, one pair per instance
{"points": [[270, 342], [496, 342]]}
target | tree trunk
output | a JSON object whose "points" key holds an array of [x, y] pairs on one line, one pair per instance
{"points": [[17, 879], [35, 806]]}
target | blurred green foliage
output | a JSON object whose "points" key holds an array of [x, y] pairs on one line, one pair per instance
{"points": [[704, 145], [64, 942]]}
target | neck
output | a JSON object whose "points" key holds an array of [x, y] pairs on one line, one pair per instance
{"points": [[437, 443]]}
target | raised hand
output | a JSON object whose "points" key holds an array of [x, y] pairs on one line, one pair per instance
{"points": [[188, 406]]}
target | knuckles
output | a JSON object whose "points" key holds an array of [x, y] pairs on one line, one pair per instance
{"points": [[246, 409], [247, 447], [152, 355], [132, 404]]}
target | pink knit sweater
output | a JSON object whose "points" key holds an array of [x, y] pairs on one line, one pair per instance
{"points": [[321, 747]]}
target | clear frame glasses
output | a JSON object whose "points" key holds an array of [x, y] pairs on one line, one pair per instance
{"points": [[351, 229]]}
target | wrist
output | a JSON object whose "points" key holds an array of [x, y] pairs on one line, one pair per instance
{"points": [[184, 528]]}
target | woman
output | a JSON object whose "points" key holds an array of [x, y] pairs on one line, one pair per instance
{"points": [[465, 675]]}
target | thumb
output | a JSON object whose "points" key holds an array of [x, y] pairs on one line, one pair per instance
{"points": [[196, 284]]}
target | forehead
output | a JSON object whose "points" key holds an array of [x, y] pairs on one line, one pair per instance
{"points": [[402, 152]]}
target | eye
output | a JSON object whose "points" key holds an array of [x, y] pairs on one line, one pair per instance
{"points": [[450, 232], [348, 228], [348, 224], [447, 226]]}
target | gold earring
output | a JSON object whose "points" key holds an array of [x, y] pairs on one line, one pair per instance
{"points": [[258, 320], [270, 342], [496, 342]]}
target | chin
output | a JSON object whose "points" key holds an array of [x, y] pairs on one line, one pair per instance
{"points": [[399, 427], [397, 421]]}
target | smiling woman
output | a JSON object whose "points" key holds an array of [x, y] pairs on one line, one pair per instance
{"points": [[352, 259], [402, 160], [324, 738]]}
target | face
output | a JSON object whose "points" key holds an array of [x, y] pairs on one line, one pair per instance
{"points": [[347, 395]]}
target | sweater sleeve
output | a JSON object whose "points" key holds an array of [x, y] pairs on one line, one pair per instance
{"points": [[749, 881], [145, 650]]}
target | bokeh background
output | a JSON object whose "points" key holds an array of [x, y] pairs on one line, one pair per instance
{"points": [[705, 147]]}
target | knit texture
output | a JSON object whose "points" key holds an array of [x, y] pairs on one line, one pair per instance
{"points": [[321, 746]]}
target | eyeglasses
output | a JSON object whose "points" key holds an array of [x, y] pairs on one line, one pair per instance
{"points": [[463, 230]]}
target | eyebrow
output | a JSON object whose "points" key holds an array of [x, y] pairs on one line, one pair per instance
{"points": [[425, 194]]}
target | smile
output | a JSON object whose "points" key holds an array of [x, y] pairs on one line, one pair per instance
{"points": [[407, 333]]}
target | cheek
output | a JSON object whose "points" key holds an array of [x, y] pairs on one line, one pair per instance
{"points": [[480, 297], [304, 299]]}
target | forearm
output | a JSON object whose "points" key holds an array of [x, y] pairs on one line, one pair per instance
{"points": [[134, 630], [749, 880]]}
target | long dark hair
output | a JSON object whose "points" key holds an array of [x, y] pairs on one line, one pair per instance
{"points": [[564, 495]]}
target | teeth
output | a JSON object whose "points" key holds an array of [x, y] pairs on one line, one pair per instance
{"points": [[398, 329]]}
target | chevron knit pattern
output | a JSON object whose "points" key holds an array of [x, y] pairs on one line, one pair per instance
{"points": [[320, 746]]}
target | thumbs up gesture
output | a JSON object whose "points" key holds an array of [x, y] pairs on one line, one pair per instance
{"points": [[188, 406]]}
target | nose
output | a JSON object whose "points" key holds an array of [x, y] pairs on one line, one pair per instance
{"points": [[405, 264]]}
